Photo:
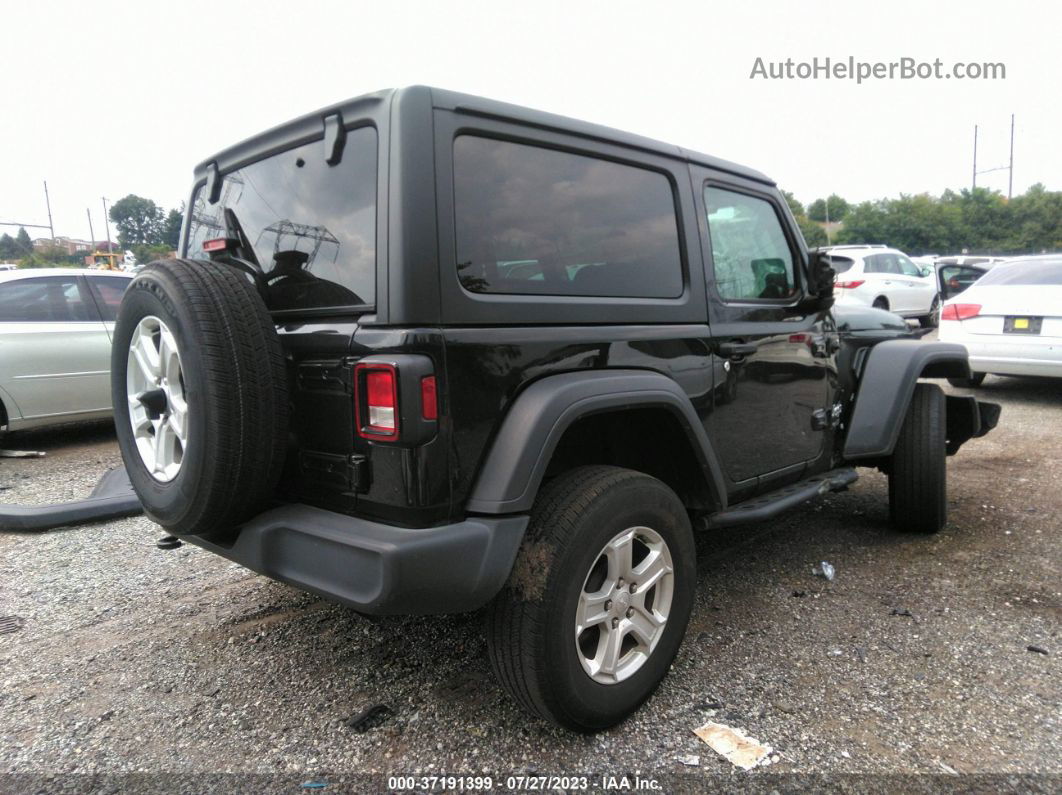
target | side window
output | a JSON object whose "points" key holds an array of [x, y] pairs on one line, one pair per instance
{"points": [[108, 291], [48, 299], [750, 253], [876, 263], [907, 268], [531, 220], [841, 264]]}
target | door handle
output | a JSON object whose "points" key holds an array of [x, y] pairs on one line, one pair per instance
{"points": [[734, 350]]}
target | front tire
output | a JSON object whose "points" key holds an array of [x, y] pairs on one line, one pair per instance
{"points": [[918, 500], [582, 634], [932, 320]]}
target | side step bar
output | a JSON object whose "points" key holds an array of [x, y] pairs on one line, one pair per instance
{"points": [[112, 498], [775, 502]]}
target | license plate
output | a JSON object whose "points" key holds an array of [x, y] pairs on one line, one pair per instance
{"points": [[1022, 325]]}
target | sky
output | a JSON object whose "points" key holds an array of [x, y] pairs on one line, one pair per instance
{"points": [[107, 98]]}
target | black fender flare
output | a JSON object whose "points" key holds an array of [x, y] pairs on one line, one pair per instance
{"points": [[888, 380], [516, 462]]}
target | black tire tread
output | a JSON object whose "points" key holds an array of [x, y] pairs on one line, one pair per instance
{"points": [[244, 386], [917, 472], [517, 625]]}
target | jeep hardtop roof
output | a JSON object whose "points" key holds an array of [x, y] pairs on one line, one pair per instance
{"points": [[309, 126]]}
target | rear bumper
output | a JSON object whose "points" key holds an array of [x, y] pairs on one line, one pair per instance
{"points": [[377, 568], [1009, 365], [1009, 354]]}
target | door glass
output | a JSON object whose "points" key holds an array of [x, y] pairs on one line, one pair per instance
{"points": [[907, 267], [109, 291], [48, 299], [750, 253]]}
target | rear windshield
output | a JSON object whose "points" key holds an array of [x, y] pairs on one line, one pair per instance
{"points": [[1024, 273], [312, 226], [841, 264]]}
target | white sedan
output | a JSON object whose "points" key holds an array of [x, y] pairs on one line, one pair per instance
{"points": [[1010, 320], [55, 344]]}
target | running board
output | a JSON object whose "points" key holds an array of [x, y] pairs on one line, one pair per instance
{"points": [[112, 498], [775, 502]]}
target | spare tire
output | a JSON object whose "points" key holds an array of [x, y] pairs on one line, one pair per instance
{"points": [[200, 396]]}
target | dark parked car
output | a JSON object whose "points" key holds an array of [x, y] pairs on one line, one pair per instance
{"points": [[428, 353]]}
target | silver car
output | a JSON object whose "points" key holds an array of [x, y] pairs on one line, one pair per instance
{"points": [[55, 344]]}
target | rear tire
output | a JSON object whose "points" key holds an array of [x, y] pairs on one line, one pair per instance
{"points": [[918, 500], [881, 303], [233, 388], [975, 380], [536, 647]]}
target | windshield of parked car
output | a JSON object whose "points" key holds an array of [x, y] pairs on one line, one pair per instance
{"points": [[311, 226], [1025, 272]]}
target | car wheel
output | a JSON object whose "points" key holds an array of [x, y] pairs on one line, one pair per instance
{"points": [[975, 380], [917, 469], [200, 396], [599, 598], [881, 303], [932, 320]]}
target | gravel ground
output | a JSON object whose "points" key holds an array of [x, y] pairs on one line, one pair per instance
{"points": [[913, 660]]}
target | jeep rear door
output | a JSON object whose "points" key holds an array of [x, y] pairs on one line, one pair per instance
{"points": [[773, 425]]}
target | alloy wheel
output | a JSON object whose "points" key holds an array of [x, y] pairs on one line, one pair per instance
{"points": [[624, 605], [155, 391]]}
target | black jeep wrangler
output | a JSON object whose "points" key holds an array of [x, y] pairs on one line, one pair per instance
{"points": [[428, 353]]}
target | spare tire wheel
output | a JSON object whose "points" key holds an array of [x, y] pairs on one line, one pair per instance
{"points": [[200, 396]]}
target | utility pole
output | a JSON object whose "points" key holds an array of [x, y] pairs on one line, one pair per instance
{"points": [[826, 204], [1010, 168], [107, 225], [92, 235], [48, 204]]}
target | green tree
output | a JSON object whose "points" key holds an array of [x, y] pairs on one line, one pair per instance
{"points": [[814, 235], [140, 221], [146, 254], [8, 248], [171, 232], [838, 208], [25, 245], [795, 207]]}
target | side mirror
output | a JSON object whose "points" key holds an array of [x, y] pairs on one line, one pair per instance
{"points": [[820, 284]]}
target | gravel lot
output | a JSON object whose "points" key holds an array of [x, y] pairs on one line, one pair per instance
{"points": [[913, 660]]}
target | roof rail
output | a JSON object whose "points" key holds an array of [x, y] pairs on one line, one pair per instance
{"points": [[851, 246]]}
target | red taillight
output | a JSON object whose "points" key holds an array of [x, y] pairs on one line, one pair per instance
{"points": [[849, 285], [380, 389], [429, 398], [960, 311]]}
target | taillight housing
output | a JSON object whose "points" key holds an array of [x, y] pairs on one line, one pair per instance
{"points": [[396, 399], [960, 311], [377, 404], [849, 284]]}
